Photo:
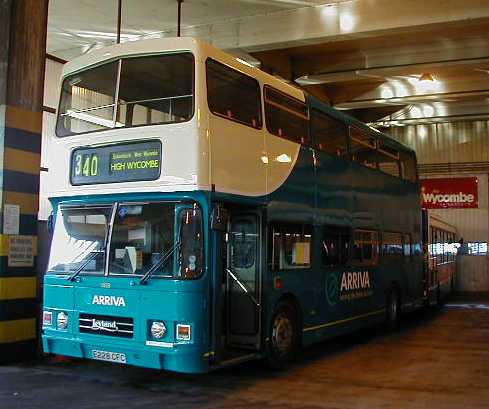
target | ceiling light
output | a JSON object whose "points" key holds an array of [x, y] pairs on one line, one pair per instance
{"points": [[426, 77], [244, 62], [283, 158]]}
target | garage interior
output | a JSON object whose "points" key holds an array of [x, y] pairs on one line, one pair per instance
{"points": [[416, 70]]}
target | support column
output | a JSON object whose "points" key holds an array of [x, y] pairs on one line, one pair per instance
{"points": [[23, 27]]}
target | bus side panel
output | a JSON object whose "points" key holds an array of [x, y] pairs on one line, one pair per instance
{"points": [[294, 202]]}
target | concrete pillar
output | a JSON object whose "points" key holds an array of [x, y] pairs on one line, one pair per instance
{"points": [[23, 27]]}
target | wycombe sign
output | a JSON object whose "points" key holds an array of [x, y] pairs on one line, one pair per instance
{"points": [[449, 193]]}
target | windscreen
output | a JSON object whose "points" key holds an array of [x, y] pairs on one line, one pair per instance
{"points": [[79, 240], [143, 238], [129, 92], [157, 239]]}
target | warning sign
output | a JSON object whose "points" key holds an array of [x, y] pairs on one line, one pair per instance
{"points": [[21, 251]]}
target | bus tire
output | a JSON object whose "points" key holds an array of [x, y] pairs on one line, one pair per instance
{"points": [[283, 343], [393, 310]]}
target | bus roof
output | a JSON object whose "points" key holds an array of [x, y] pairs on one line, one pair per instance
{"points": [[158, 45]]}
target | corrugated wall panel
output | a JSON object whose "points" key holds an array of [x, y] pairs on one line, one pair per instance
{"points": [[446, 142], [52, 78], [48, 124], [454, 143], [51, 83]]}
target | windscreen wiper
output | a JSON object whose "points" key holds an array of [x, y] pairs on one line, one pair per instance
{"points": [[164, 258], [85, 263]]}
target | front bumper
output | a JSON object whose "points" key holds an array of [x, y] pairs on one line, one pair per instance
{"points": [[179, 358]]}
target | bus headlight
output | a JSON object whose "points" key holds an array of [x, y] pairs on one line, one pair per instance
{"points": [[184, 332], [47, 318], [62, 320], [158, 329]]}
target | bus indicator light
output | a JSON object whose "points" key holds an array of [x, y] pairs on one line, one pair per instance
{"points": [[47, 318], [277, 283], [184, 332]]}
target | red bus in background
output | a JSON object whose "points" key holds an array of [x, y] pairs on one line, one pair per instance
{"points": [[441, 251]]}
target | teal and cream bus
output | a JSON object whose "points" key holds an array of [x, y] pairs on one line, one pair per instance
{"points": [[207, 213]]}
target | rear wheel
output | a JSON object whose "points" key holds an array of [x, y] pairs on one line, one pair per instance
{"points": [[283, 343], [393, 313]]}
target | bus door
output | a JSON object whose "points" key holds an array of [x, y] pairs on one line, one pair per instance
{"points": [[243, 281]]}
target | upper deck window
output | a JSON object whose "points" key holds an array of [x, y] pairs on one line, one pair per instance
{"points": [[286, 117], [388, 159], [129, 92], [330, 135], [233, 95], [408, 166], [363, 147]]}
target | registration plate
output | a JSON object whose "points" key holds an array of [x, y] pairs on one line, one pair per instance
{"points": [[109, 356]]}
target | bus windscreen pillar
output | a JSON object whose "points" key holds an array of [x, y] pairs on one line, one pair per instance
{"points": [[23, 29]]}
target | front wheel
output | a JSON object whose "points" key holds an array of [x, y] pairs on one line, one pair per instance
{"points": [[283, 344]]}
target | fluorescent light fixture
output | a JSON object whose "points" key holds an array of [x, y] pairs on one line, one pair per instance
{"points": [[306, 80], [245, 62], [426, 77], [83, 116]]}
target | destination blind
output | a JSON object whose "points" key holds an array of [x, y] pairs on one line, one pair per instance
{"points": [[127, 162]]}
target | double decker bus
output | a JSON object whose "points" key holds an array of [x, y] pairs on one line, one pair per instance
{"points": [[207, 213]]}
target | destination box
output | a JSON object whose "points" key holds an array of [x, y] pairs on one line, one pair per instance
{"points": [[116, 163]]}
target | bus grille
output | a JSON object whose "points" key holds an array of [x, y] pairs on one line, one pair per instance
{"points": [[106, 325]]}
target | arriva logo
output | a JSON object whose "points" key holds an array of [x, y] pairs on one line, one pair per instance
{"points": [[109, 300], [355, 281]]}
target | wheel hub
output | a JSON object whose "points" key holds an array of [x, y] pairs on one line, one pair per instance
{"points": [[282, 334]]}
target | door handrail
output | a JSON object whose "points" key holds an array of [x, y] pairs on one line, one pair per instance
{"points": [[243, 287]]}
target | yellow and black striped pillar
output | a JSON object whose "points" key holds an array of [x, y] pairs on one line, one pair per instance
{"points": [[22, 58]]}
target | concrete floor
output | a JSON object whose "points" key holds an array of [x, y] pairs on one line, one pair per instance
{"points": [[439, 360]]}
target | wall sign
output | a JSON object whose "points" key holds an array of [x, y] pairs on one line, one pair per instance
{"points": [[116, 163], [21, 251], [450, 193], [11, 218]]}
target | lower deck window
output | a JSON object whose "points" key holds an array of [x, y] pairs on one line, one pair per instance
{"points": [[335, 246], [392, 244], [291, 246], [365, 247]]}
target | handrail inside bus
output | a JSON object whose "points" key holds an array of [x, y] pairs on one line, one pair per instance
{"points": [[79, 111], [243, 287]]}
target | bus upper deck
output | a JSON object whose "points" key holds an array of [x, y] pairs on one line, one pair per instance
{"points": [[194, 118]]}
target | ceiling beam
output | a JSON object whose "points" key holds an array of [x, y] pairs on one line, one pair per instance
{"points": [[336, 22], [389, 70]]}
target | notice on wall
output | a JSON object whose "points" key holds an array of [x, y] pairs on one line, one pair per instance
{"points": [[450, 193], [21, 251], [11, 219]]}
